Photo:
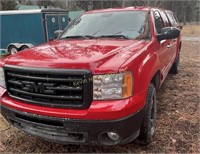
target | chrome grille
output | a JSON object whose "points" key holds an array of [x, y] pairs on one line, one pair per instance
{"points": [[50, 87]]}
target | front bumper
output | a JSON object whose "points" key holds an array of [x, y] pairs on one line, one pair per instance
{"points": [[73, 131], [98, 110]]}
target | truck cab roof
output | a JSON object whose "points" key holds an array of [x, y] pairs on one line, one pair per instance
{"points": [[132, 8]]}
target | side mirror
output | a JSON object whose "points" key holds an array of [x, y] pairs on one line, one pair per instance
{"points": [[168, 33], [57, 33]]}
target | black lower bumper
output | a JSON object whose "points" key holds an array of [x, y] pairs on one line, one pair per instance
{"points": [[69, 131]]}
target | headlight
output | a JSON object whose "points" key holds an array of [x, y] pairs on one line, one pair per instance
{"points": [[112, 86], [2, 78]]}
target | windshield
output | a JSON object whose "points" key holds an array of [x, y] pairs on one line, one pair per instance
{"points": [[127, 24]]}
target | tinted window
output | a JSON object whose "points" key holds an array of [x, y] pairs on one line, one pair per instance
{"points": [[175, 18], [131, 24], [165, 18], [172, 19], [158, 22]]}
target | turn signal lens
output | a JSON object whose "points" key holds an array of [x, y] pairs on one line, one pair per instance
{"points": [[127, 85]]}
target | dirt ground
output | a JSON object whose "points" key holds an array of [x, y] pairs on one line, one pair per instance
{"points": [[177, 120]]}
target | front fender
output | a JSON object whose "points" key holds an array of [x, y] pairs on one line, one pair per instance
{"points": [[147, 69], [144, 64]]}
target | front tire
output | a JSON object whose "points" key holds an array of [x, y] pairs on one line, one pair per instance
{"points": [[148, 126]]}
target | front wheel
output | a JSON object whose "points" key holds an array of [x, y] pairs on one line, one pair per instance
{"points": [[148, 126]]}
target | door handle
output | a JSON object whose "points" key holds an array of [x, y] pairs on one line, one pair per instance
{"points": [[169, 45]]}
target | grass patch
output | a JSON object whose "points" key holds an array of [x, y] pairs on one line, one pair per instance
{"points": [[191, 30]]}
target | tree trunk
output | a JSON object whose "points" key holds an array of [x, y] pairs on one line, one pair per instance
{"points": [[0, 6], [123, 3], [184, 13]]}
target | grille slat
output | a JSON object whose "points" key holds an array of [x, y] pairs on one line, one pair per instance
{"points": [[15, 82], [43, 78], [67, 88], [46, 96], [49, 87]]}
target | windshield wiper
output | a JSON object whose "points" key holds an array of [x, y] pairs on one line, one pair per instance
{"points": [[78, 36], [113, 36], [93, 37]]}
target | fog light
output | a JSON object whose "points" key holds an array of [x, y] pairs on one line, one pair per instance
{"points": [[113, 136]]}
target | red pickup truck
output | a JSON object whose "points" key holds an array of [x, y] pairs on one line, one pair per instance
{"points": [[96, 83]]}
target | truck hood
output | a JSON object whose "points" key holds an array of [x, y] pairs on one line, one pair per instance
{"points": [[96, 55]]}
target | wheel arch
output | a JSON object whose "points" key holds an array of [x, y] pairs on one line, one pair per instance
{"points": [[180, 45], [156, 79]]}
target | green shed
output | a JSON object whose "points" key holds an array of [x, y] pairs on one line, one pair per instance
{"points": [[74, 14]]}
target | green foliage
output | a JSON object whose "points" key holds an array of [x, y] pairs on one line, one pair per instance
{"points": [[98, 4], [45, 3], [9, 4], [186, 11], [59, 4], [29, 2], [74, 7]]}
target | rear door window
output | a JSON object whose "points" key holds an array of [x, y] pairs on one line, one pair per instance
{"points": [[165, 18], [172, 19]]}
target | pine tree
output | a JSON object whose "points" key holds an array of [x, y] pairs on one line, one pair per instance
{"points": [[9, 4]]}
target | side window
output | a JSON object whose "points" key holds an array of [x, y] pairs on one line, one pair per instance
{"points": [[175, 18], [165, 18], [172, 19], [158, 22]]}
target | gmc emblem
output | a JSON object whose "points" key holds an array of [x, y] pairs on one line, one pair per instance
{"points": [[38, 87]]}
